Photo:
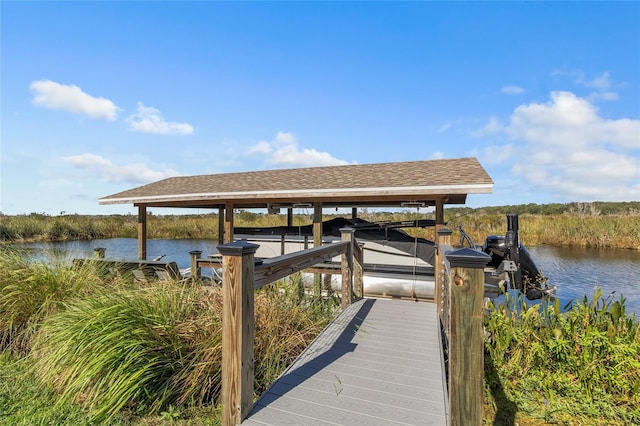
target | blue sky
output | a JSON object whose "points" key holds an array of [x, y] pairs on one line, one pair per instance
{"points": [[100, 97]]}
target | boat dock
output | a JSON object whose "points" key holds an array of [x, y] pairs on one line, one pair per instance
{"points": [[379, 363], [382, 365]]}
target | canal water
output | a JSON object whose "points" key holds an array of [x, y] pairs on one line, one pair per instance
{"points": [[576, 272]]}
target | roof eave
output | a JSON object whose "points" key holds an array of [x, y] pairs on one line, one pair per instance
{"points": [[263, 197]]}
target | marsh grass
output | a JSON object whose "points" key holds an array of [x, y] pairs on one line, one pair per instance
{"points": [[581, 366], [156, 348], [610, 231], [24, 401], [568, 226], [31, 290], [146, 348]]}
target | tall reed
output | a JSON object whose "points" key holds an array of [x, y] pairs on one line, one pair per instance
{"points": [[32, 290], [150, 348]]}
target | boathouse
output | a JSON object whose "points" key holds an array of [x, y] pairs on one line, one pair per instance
{"points": [[394, 371], [426, 183]]}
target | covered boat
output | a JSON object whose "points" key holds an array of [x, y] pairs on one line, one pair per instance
{"points": [[397, 264]]}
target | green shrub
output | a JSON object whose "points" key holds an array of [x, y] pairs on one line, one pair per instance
{"points": [[583, 363]]}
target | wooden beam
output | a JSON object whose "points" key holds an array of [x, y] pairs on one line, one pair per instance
{"points": [[142, 232], [317, 242], [443, 244], [439, 217], [238, 330], [440, 210], [290, 216], [347, 267], [221, 225], [317, 224], [228, 223], [275, 268], [194, 255], [358, 268]]}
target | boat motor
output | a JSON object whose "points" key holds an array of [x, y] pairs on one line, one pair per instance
{"points": [[510, 256]]}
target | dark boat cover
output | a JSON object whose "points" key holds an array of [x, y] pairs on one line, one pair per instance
{"points": [[385, 233]]}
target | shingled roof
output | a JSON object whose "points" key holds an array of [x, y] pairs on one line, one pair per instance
{"points": [[382, 184]]}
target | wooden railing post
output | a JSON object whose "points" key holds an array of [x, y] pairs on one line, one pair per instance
{"points": [[195, 270], [466, 340], [443, 238], [142, 232], [358, 270], [238, 330], [347, 267]]}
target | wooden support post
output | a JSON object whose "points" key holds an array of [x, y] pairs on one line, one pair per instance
{"points": [[354, 212], [443, 238], [290, 216], [358, 269], [317, 224], [238, 330], [317, 242], [221, 225], [283, 244], [228, 223], [142, 232], [347, 267], [439, 216], [326, 285], [99, 252], [466, 341], [195, 270]]}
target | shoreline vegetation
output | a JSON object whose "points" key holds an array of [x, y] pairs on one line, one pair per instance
{"points": [[594, 225], [77, 347]]}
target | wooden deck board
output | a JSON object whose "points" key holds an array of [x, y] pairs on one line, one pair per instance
{"points": [[378, 363]]}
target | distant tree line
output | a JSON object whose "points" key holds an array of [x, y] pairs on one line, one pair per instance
{"points": [[595, 208]]}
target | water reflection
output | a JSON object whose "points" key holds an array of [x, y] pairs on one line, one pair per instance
{"points": [[579, 272]]}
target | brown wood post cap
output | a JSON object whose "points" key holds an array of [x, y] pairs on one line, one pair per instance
{"points": [[445, 231], [467, 258], [237, 248]]}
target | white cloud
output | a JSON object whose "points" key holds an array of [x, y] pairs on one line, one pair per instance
{"points": [[284, 151], [566, 147], [495, 154], [492, 127], [601, 82], [134, 173], [52, 95], [437, 155], [286, 138], [150, 120], [512, 90], [446, 126], [605, 96], [262, 147]]}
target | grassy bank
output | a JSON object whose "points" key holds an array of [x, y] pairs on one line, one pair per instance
{"points": [[92, 350], [78, 349], [544, 366], [601, 225]]}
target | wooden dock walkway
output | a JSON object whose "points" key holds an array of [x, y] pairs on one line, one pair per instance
{"points": [[378, 363]]}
